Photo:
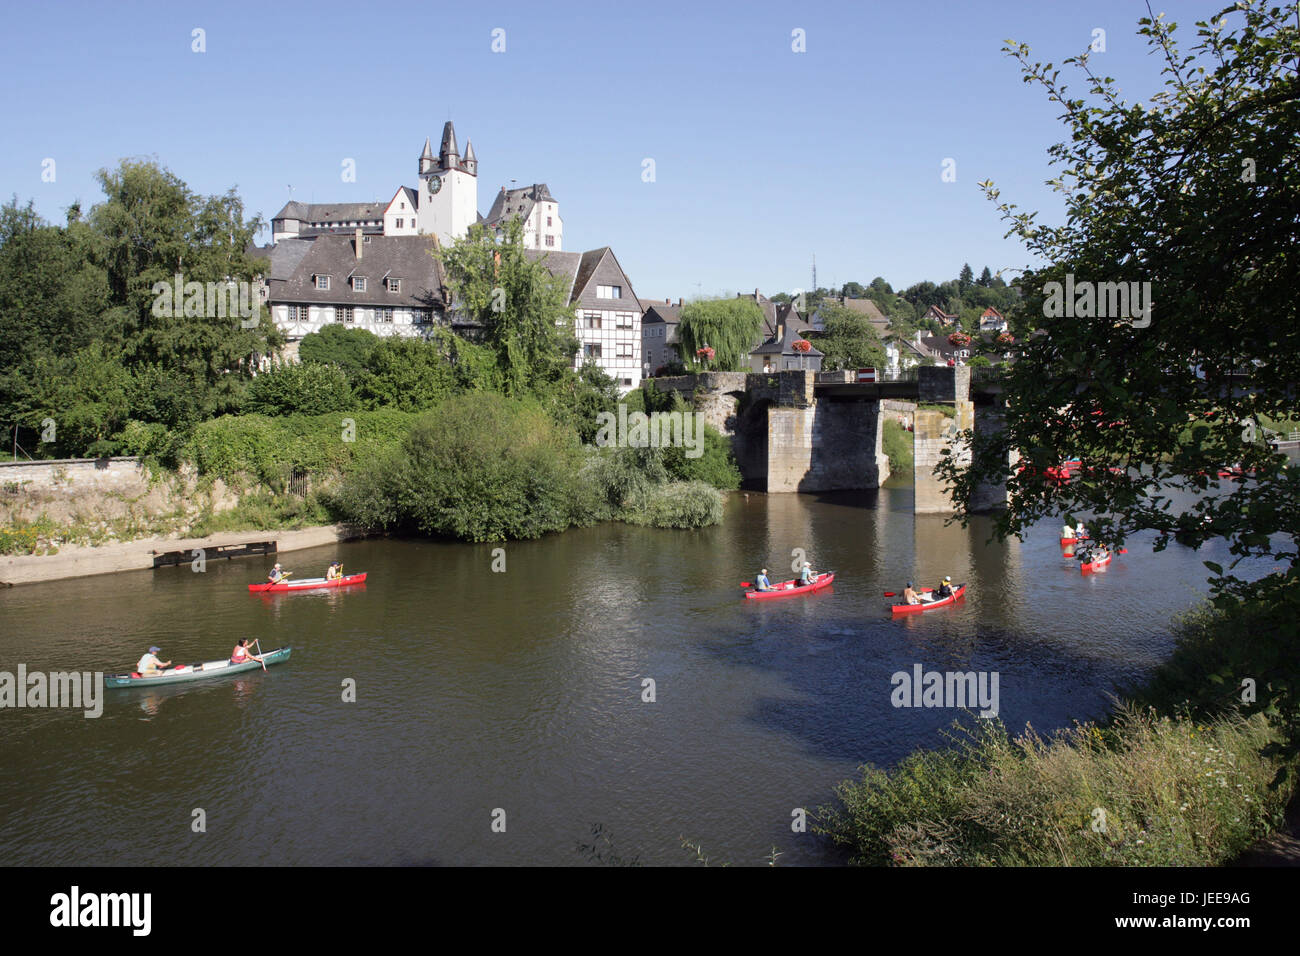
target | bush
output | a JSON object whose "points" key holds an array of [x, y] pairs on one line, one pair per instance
{"points": [[306, 389], [898, 445], [678, 504], [272, 449], [1174, 793], [335, 344], [716, 466], [479, 467]]}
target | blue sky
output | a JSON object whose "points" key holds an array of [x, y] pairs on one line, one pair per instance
{"points": [[763, 157]]}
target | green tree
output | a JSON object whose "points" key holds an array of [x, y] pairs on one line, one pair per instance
{"points": [[335, 344], [151, 228], [1193, 191], [414, 374], [966, 278], [521, 307], [986, 278], [849, 340], [86, 397], [301, 389], [731, 327]]}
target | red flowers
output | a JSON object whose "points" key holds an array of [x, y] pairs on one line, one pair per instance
{"points": [[1005, 338], [705, 353], [959, 339], [801, 345]]}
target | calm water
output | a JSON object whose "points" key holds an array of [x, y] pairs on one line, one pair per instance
{"points": [[523, 690]]}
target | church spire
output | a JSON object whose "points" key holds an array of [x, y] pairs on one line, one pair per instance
{"points": [[426, 157], [471, 161], [448, 154]]}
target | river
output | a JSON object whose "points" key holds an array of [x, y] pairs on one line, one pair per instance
{"points": [[518, 696]]}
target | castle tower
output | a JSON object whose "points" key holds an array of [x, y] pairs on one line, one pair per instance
{"points": [[448, 189]]}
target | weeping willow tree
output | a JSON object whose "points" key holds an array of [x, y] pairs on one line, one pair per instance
{"points": [[520, 306], [728, 326]]}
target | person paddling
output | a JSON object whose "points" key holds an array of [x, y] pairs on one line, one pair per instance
{"points": [[150, 666], [241, 654], [276, 575], [944, 590], [762, 583], [1068, 532], [335, 571], [910, 595], [805, 575]]}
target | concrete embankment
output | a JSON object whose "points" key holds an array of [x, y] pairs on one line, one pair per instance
{"points": [[75, 561]]}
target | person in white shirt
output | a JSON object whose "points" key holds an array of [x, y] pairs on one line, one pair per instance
{"points": [[150, 665]]}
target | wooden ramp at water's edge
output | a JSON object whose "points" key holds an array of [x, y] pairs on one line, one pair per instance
{"points": [[78, 561]]}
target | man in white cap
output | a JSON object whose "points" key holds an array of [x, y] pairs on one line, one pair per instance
{"points": [[149, 665], [763, 584], [276, 575]]}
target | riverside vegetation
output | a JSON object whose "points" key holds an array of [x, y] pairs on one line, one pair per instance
{"points": [[1200, 761], [483, 438]]}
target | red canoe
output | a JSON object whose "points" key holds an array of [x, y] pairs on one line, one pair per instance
{"points": [[1065, 542], [958, 593], [310, 584], [790, 589], [1087, 567]]}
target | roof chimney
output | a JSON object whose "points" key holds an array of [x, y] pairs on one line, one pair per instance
{"points": [[358, 242]]}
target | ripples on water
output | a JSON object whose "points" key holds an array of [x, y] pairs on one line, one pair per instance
{"points": [[523, 691]]}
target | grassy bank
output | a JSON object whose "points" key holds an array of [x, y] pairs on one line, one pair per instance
{"points": [[1182, 775]]}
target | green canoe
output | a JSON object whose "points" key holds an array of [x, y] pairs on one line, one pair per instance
{"points": [[189, 672]]}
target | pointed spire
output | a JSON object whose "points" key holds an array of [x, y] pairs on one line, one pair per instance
{"points": [[469, 151], [428, 149], [448, 150]]}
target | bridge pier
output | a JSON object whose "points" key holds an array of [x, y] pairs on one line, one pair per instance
{"points": [[801, 431]]}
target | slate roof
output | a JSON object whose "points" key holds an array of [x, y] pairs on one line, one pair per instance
{"points": [[334, 213], [559, 264], [661, 312], [408, 258], [282, 258], [770, 318], [784, 345], [517, 202]]}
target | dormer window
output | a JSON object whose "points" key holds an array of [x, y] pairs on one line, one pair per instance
{"points": [[358, 283], [323, 283], [394, 285], [609, 292]]}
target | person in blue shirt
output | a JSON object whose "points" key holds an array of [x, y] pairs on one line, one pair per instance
{"points": [[805, 574], [763, 584]]}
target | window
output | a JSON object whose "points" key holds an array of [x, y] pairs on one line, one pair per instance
{"points": [[394, 285], [323, 282], [385, 315], [346, 314], [548, 220], [627, 382], [358, 283], [399, 224], [298, 313], [624, 320], [593, 320], [591, 350], [550, 240], [609, 292], [625, 350]]}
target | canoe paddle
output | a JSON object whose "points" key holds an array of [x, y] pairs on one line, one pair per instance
{"points": [[258, 642]]}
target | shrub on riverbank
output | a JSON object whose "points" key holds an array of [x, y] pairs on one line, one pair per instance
{"points": [[897, 444], [478, 467], [271, 450], [678, 504], [1144, 791]]}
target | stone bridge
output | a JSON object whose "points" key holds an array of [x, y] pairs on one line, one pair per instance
{"points": [[800, 431]]}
